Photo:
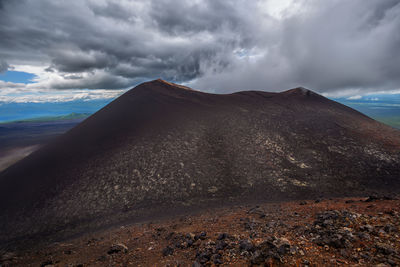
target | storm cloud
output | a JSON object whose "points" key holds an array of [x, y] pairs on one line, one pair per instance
{"points": [[332, 47], [3, 66]]}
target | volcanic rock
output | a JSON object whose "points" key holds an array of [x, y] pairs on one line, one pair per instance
{"points": [[163, 149]]}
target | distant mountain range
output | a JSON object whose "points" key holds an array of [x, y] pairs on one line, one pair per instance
{"points": [[163, 148], [10, 111], [71, 116], [19, 138], [384, 108]]}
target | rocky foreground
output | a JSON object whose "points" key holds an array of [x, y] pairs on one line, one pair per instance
{"points": [[321, 232]]}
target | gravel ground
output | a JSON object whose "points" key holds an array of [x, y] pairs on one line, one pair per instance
{"points": [[319, 232]]}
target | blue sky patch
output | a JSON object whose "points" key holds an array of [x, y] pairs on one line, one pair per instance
{"points": [[17, 77]]}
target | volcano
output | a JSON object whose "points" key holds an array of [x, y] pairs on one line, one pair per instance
{"points": [[163, 149]]}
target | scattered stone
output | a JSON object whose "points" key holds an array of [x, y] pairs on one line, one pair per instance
{"points": [[222, 236], [257, 210], [283, 245], [391, 262], [375, 198], [117, 248], [384, 249], [365, 236], [92, 241], [47, 263], [251, 225], [217, 259], [390, 228], [170, 235], [371, 199], [102, 258], [272, 248], [367, 228], [203, 235], [366, 256], [392, 212], [220, 245], [246, 245], [167, 251], [330, 228], [203, 256], [7, 257]]}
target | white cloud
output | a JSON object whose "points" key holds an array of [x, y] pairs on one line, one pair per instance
{"points": [[22, 94], [354, 97], [280, 9]]}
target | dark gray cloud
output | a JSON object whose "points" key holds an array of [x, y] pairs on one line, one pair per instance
{"points": [[220, 46], [3, 66]]}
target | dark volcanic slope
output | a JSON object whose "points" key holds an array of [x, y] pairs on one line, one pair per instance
{"points": [[161, 148]]}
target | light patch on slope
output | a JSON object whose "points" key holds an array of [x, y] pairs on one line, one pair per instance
{"points": [[298, 183], [9, 157]]}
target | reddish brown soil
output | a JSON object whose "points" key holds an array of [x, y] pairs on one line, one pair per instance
{"points": [[290, 220]]}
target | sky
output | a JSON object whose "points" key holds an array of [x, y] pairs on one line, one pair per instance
{"points": [[86, 50]]}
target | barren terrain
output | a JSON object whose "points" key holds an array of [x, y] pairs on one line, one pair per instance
{"points": [[318, 232], [161, 150]]}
